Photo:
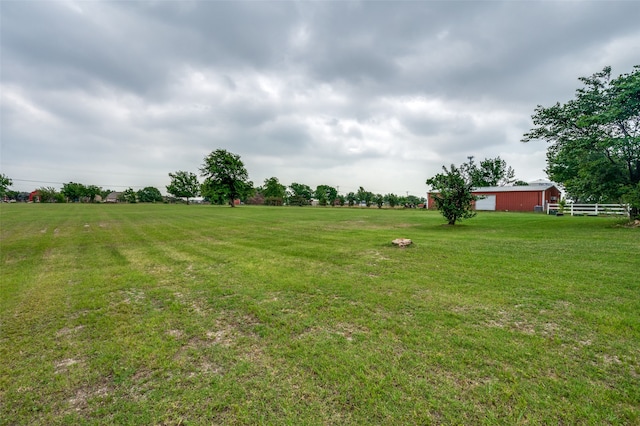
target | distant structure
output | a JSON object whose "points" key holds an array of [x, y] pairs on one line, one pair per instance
{"points": [[112, 197]]}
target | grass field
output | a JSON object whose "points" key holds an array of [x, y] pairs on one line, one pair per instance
{"points": [[173, 314]]}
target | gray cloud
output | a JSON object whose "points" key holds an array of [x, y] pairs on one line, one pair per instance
{"points": [[378, 94]]}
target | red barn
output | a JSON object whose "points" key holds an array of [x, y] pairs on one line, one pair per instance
{"points": [[513, 198]]}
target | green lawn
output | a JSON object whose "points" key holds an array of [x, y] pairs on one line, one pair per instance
{"points": [[174, 314]]}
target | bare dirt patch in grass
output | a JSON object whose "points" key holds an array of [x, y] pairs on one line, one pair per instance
{"points": [[195, 305], [64, 364], [79, 402], [346, 330], [131, 296], [175, 333], [515, 320], [66, 331]]}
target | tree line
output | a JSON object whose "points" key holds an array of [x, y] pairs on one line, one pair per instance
{"points": [[226, 180], [73, 192]]}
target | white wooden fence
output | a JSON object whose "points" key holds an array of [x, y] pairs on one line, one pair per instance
{"points": [[590, 209]]}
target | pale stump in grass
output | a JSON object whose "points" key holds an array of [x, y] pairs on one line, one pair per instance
{"points": [[402, 242]]}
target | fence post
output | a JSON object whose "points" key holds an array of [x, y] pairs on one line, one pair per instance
{"points": [[596, 209]]}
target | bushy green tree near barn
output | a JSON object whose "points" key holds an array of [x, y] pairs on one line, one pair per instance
{"points": [[451, 192], [183, 185], [225, 173], [594, 139]]}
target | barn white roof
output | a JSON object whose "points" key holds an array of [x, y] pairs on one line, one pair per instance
{"points": [[526, 188]]}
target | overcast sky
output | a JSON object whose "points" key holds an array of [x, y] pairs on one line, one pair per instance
{"points": [[348, 94]]}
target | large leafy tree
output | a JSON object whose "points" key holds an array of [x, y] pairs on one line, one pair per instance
{"points": [[149, 194], [594, 139], [225, 175], [451, 192], [273, 191], [183, 185], [5, 183], [364, 196], [326, 195], [73, 191], [300, 195]]}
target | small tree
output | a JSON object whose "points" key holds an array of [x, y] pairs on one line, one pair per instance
{"points": [[183, 185], [225, 173], [128, 196], [451, 192], [379, 200], [5, 183], [364, 196], [351, 199], [392, 200]]}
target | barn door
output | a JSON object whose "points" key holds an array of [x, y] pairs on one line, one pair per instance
{"points": [[486, 203]]}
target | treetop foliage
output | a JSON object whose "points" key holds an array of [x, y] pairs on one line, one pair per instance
{"points": [[490, 172]]}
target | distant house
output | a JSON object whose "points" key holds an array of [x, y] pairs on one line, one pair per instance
{"points": [[112, 197], [534, 197]]}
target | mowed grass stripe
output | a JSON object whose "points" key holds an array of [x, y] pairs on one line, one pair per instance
{"points": [[200, 314]]}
